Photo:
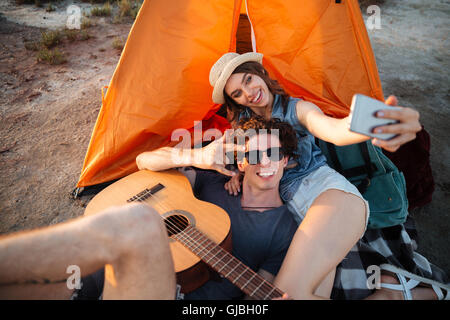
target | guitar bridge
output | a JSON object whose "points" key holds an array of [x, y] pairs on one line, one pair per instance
{"points": [[144, 194]]}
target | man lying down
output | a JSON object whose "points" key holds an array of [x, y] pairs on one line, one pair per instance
{"points": [[139, 264]]}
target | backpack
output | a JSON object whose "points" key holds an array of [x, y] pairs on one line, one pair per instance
{"points": [[376, 177]]}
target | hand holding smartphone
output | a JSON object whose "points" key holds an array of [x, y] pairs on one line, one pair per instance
{"points": [[363, 120]]}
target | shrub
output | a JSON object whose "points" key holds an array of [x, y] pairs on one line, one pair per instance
{"points": [[84, 35], [32, 45], [136, 6], [51, 56], [124, 8], [103, 11], [50, 39], [86, 23], [71, 34], [118, 44]]}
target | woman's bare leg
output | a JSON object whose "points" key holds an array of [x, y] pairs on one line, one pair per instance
{"points": [[326, 286], [332, 226]]}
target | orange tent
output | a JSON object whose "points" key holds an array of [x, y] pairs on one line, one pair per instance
{"points": [[316, 49]]}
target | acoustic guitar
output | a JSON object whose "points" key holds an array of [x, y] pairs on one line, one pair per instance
{"points": [[199, 232]]}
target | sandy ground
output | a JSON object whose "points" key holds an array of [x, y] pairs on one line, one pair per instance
{"points": [[47, 115], [413, 57], [47, 112]]}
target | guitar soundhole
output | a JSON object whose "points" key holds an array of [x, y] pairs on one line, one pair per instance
{"points": [[175, 224]]}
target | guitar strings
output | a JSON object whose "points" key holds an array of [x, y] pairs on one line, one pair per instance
{"points": [[240, 268], [265, 284], [191, 240]]}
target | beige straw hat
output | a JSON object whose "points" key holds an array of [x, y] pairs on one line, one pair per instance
{"points": [[224, 67]]}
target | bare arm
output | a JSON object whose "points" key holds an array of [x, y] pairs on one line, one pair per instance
{"points": [[165, 158], [211, 157], [326, 128]]}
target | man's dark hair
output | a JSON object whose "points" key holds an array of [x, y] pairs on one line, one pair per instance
{"points": [[286, 134]]}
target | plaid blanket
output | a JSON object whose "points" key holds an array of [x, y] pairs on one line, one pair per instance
{"points": [[394, 245]]}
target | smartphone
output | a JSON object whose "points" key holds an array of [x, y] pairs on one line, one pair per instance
{"points": [[363, 120]]}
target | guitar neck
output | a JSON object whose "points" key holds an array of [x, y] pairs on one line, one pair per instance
{"points": [[226, 265]]}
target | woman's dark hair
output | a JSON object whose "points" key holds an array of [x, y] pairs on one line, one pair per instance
{"points": [[256, 68], [286, 134]]}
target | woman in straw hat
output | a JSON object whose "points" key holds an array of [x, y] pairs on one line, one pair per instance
{"points": [[331, 211]]}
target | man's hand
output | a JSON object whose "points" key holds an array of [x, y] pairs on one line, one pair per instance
{"points": [[213, 156]]}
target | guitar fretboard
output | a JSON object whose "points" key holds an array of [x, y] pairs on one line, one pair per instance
{"points": [[227, 265]]}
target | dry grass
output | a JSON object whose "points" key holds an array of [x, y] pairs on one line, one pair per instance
{"points": [[125, 8], [86, 23], [102, 11], [136, 7], [120, 10], [118, 44], [50, 39], [85, 35], [32, 45], [71, 34], [51, 56]]}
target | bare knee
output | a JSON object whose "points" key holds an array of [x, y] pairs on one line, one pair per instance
{"points": [[358, 210], [142, 266], [130, 229], [144, 228], [349, 206]]}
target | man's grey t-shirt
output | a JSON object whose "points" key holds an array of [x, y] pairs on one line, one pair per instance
{"points": [[260, 239]]}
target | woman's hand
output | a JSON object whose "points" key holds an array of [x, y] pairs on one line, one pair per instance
{"points": [[406, 129], [233, 186]]}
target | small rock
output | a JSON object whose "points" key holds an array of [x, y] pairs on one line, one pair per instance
{"points": [[33, 95]]}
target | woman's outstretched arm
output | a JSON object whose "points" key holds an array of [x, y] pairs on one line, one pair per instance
{"points": [[337, 131]]}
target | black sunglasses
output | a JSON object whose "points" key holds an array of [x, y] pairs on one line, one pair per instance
{"points": [[275, 154]]}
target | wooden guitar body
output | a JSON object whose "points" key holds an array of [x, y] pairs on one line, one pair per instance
{"points": [[199, 232], [170, 193]]}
